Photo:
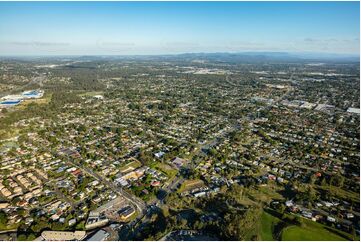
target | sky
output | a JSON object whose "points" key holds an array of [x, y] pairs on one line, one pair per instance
{"points": [[137, 28]]}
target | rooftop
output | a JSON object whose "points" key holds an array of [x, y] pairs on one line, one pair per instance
{"points": [[63, 235]]}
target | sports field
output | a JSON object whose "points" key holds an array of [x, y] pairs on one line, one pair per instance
{"points": [[312, 231]]}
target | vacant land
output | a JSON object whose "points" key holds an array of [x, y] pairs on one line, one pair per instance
{"points": [[312, 231], [131, 165], [90, 94], [264, 194], [41, 101], [268, 223], [190, 184], [168, 170]]}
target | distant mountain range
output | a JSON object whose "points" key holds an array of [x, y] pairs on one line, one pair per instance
{"points": [[272, 56], [246, 57]]}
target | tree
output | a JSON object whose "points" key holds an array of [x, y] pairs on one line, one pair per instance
{"points": [[299, 221], [165, 211], [237, 226], [311, 193], [3, 218], [281, 208], [183, 223], [22, 237], [20, 211], [353, 233], [256, 237], [312, 179], [212, 152], [324, 182], [31, 237], [337, 180]]}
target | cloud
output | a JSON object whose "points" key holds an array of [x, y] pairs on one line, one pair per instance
{"points": [[114, 46], [178, 46], [309, 40], [37, 46], [119, 44], [180, 43], [320, 40], [50, 44], [244, 43], [38, 43], [331, 40]]}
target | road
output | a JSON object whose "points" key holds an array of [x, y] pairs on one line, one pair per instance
{"points": [[113, 234], [137, 202], [131, 229], [56, 190], [65, 198], [216, 140], [132, 199]]}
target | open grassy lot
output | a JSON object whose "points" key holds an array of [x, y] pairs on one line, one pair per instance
{"points": [[264, 193], [168, 170], [9, 228], [190, 184], [268, 222], [313, 231], [133, 164], [24, 103], [89, 94], [44, 100], [309, 233], [272, 225], [8, 145]]}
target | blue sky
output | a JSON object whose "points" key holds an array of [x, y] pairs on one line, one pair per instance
{"points": [[122, 28]]}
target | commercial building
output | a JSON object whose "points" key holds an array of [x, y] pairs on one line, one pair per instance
{"points": [[100, 235], [63, 235]]}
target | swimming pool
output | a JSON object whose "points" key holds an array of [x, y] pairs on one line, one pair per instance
{"points": [[10, 102], [32, 94]]}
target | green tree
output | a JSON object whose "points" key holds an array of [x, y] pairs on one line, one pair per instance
{"points": [[3, 218], [22, 237]]}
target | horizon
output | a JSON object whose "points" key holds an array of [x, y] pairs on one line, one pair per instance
{"points": [[171, 28], [298, 55]]}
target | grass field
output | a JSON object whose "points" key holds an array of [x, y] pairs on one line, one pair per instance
{"points": [[190, 184], [40, 101], [44, 100], [133, 164], [312, 231], [8, 145], [268, 222], [89, 94], [264, 194], [309, 233], [168, 170]]}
